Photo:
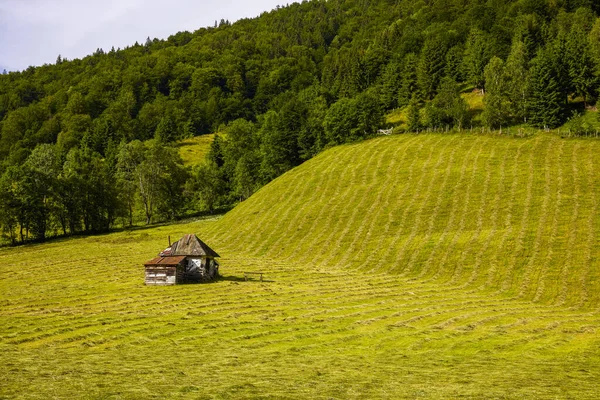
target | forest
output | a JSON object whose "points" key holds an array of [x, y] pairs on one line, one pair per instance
{"points": [[88, 145]]}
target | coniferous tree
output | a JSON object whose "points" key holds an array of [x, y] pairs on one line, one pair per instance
{"points": [[517, 81], [432, 63], [409, 82], [391, 81], [454, 63], [580, 65], [476, 57], [546, 107], [559, 54], [594, 44], [166, 131]]}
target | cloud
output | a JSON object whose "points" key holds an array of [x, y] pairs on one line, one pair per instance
{"points": [[34, 32]]}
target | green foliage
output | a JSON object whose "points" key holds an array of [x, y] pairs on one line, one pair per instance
{"points": [[454, 63], [547, 105], [497, 109], [349, 120], [339, 121], [207, 187], [409, 83], [477, 56], [432, 64], [155, 173], [301, 77], [517, 81], [414, 115], [448, 108], [594, 44], [581, 66]]}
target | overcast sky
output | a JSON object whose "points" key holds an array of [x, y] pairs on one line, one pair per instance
{"points": [[34, 32]]}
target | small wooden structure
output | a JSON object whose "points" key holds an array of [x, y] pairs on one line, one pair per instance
{"points": [[188, 260]]}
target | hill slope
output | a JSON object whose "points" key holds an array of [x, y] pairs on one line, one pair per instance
{"points": [[511, 216], [453, 214]]}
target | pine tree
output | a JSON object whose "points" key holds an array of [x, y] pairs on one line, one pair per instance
{"points": [[517, 80], [408, 86], [166, 131], [390, 83], [547, 105], [594, 43], [431, 66], [476, 58], [454, 60], [559, 54], [581, 65]]}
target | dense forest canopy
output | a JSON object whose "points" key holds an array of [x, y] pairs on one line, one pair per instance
{"points": [[86, 144]]}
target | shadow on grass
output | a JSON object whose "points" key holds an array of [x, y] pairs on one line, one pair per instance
{"points": [[232, 278]]}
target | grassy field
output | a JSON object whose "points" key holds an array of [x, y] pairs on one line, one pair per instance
{"points": [[193, 150], [433, 266]]}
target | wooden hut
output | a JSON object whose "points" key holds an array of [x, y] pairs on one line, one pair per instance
{"points": [[187, 260]]}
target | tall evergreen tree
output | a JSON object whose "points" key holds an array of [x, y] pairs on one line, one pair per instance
{"points": [[547, 107], [594, 43], [409, 82], [580, 65], [517, 80], [432, 63], [476, 57], [454, 63]]}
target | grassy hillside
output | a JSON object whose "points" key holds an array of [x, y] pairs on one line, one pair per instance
{"points": [[403, 267], [516, 217]]}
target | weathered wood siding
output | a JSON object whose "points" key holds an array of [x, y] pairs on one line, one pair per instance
{"points": [[161, 275]]}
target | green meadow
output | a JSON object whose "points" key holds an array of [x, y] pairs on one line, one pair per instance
{"points": [[409, 266], [193, 151]]}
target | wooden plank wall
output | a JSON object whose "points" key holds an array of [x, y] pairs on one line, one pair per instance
{"points": [[161, 275]]}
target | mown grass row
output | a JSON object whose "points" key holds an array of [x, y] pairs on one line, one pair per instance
{"points": [[510, 216], [432, 266], [322, 333]]}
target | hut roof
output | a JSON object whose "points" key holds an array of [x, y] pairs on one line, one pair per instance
{"points": [[165, 261], [191, 245]]}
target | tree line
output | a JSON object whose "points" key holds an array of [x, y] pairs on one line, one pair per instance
{"points": [[88, 144]]}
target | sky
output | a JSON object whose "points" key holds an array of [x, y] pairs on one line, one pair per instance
{"points": [[35, 32]]}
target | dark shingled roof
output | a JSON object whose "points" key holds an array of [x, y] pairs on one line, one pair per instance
{"points": [[191, 245], [165, 261]]}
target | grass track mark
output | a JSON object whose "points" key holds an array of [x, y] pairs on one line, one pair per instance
{"points": [[358, 208], [458, 271], [508, 224], [341, 217], [567, 264], [544, 270], [410, 267], [301, 211], [373, 213], [418, 213], [275, 214], [509, 280], [456, 197], [493, 220]]}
